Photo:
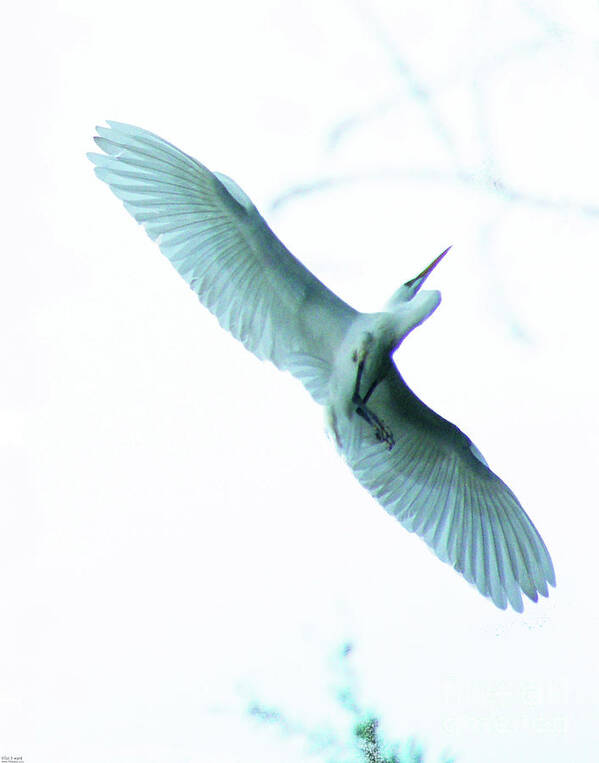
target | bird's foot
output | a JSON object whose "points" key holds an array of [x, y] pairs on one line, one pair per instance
{"points": [[384, 434], [381, 430]]}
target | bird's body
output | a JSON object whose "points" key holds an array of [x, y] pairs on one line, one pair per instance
{"points": [[420, 467], [364, 359], [369, 341]]}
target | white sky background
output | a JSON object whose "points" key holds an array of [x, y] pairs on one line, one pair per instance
{"points": [[177, 536]]}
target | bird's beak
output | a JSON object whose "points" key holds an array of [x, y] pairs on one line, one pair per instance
{"points": [[415, 284]]}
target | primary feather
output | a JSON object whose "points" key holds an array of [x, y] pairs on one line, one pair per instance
{"points": [[217, 240]]}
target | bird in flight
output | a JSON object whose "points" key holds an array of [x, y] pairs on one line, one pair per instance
{"points": [[421, 468]]}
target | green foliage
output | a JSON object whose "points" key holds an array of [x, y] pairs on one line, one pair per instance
{"points": [[366, 744]]}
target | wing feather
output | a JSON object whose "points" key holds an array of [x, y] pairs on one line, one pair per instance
{"points": [[507, 570], [216, 239], [439, 535], [437, 486]]}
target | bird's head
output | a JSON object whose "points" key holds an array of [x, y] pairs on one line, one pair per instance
{"points": [[411, 305]]}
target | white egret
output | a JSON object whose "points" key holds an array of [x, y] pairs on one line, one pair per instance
{"points": [[420, 467]]}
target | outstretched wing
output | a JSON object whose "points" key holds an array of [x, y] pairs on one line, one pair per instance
{"points": [[217, 240], [438, 485]]}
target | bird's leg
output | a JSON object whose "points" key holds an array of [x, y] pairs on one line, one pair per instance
{"points": [[359, 373], [381, 431], [371, 390]]}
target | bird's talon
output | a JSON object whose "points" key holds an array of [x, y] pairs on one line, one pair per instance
{"points": [[381, 431], [385, 435]]}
